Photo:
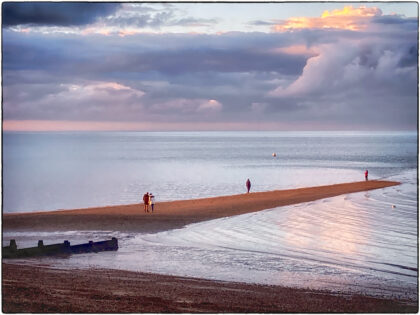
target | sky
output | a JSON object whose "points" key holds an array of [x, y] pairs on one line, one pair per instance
{"points": [[209, 66]]}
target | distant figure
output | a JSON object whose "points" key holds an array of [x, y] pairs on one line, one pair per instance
{"points": [[248, 185], [366, 175], [146, 202], [152, 201], [274, 154]]}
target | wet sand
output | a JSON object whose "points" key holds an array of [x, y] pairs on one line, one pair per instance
{"points": [[175, 214], [41, 290]]}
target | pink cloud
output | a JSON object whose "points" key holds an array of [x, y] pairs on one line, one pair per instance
{"points": [[211, 105], [73, 101], [296, 50], [189, 105]]}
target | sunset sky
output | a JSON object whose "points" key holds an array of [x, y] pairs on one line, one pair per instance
{"points": [[210, 66]]}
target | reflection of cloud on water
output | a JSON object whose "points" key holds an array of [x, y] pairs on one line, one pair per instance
{"points": [[322, 226]]}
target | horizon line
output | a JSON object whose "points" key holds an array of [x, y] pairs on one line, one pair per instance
{"points": [[104, 126]]}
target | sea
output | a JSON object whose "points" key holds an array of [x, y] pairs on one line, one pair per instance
{"points": [[363, 242]]}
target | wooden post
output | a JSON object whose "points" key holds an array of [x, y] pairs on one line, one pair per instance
{"points": [[13, 246], [115, 243]]}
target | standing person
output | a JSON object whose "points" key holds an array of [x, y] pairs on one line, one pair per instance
{"points": [[152, 201], [146, 202], [366, 175], [248, 185]]}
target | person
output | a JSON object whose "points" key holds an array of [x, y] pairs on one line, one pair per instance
{"points": [[152, 201], [248, 185], [146, 202], [366, 175]]}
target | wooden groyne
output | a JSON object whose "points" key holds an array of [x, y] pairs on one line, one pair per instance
{"points": [[64, 248]]}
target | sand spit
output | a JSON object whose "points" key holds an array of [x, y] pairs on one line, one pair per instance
{"points": [[176, 214]]}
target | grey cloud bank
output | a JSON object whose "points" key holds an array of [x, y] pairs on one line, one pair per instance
{"points": [[54, 13]]}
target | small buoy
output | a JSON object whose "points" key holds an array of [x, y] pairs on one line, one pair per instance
{"points": [[274, 154]]}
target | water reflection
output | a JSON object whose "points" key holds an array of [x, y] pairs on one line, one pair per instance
{"points": [[328, 227]]}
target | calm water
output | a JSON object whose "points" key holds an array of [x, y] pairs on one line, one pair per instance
{"points": [[48, 171], [356, 242]]}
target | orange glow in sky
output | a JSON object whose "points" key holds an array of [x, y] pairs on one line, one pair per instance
{"points": [[349, 11], [348, 18]]}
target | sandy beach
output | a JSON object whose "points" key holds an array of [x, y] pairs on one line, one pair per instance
{"points": [[176, 214], [42, 288]]}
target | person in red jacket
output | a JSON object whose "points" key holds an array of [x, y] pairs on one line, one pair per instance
{"points": [[146, 202], [366, 175]]}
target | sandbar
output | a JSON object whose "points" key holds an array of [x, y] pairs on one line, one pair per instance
{"points": [[176, 214]]}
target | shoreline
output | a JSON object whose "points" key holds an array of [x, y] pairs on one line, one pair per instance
{"points": [[40, 289], [176, 214]]}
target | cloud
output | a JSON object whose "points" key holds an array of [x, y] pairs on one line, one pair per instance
{"points": [[348, 18], [177, 62], [138, 16], [343, 65], [55, 13], [88, 100], [259, 107], [167, 68], [323, 76], [210, 105], [366, 83], [262, 23], [123, 19], [166, 54], [187, 106], [367, 76], [395, 19]]}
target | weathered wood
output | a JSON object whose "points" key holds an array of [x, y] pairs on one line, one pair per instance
{"points": [[64, 248], [95, 246], [9, 250]]}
